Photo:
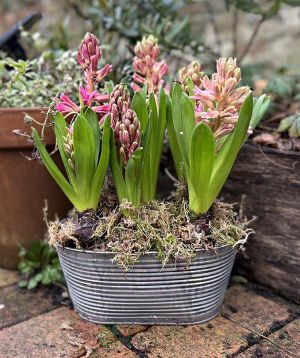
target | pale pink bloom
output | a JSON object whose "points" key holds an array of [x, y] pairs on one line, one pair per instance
{"points": [[218, 100], [147, 69], [101, 109]]}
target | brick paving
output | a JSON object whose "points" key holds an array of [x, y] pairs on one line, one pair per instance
{"points": [[254, 323]]}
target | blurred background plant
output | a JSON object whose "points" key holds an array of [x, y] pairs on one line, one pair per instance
{"points": [[39, 265], [254, 31], [36, 82]]}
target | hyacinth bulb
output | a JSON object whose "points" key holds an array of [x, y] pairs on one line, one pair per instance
{"points": [[128, 135], [219, 99]]}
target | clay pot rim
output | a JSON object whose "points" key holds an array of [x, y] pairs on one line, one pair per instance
{"points": [[24, 109]]}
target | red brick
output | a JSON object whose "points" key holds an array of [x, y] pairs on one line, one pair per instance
{"points": [[213, 340], [131, 330], [255, 311], [288, 338], [60, 333], [221, 336]]}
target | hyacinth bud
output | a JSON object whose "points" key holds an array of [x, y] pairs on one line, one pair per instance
{"points": [[128, 134], [119, 103], [147, 69], [227, 68], [147, 48], [192, 71], [69, 149], [88, 57], [89, 53]]}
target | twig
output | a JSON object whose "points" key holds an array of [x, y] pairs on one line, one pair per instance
{"points": [[274, 163], [259, 334], [212, 20], [234, 32], [252, 38]]}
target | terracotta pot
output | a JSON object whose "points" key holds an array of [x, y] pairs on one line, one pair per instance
{"points": [[24, 186]]}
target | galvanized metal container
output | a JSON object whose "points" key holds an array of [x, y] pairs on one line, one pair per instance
{"points": [[103, 293]]}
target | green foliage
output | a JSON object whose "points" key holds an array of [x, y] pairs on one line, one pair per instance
{"points": [[39, 265], [132, 20], [138, 180], [205, 169], [37, 82], [280, 86], [91, 157], [291, 124], [266, 9]]}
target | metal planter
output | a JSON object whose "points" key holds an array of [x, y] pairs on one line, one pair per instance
{"points": [[103, 293]]}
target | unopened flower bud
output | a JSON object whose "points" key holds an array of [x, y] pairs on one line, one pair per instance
{"points": [[193, 72], [69, 149], [89, 54], [119, 103], [128, 133], [147, 70]]}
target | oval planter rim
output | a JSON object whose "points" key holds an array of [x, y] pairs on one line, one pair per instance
{"points": [[219, 248]]}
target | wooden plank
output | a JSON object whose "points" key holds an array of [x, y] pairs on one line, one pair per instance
{"points": [[270, 179]]}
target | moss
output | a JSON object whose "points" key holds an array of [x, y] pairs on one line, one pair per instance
{"points": [[168, 228]]}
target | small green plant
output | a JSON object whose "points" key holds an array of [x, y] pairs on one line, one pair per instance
{"points": [[291, 124], [33, 83], [136, 148], [39, 265]]}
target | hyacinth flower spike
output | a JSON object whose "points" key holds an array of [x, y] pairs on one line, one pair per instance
{"points": [[88, 57], [84, 146], [148, 71], [139, 130], [206, 136]]}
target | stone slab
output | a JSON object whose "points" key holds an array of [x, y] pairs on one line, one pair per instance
{"points": [[60, 334]]}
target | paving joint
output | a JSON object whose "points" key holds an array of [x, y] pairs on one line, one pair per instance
{"points": [[260, 337], [126, 341]]}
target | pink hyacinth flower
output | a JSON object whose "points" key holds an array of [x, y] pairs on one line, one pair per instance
{"points": [[100, 74], [66, 105], [86, 96]]}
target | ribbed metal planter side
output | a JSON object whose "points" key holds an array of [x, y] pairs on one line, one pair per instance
{"points": [[147, 294]]}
